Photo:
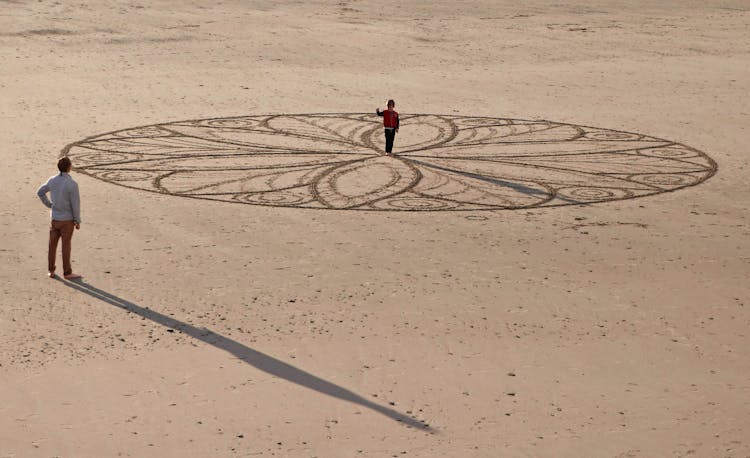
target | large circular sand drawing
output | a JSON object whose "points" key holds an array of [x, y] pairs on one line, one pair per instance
{"points": [[336, 161]]}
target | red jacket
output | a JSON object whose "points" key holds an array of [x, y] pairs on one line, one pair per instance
{"points": [[390, 118]]}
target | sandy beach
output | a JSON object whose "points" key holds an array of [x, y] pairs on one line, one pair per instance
{"points": [[554, 264]]}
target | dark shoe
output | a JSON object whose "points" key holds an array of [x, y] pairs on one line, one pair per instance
{"points": [[51, 274]]}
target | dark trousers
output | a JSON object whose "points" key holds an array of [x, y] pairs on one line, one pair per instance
{"points": [[390, 134], [64, 230]]}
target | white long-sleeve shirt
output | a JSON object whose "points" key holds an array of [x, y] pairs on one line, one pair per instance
{"points": [[66, 202]]}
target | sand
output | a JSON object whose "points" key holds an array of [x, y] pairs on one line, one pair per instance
{"points": [[209, 328]]}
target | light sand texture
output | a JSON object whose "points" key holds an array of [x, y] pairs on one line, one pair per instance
{"points": [[216, 329]]}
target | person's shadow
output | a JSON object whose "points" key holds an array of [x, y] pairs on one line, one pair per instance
{"points": [[252, 357]]}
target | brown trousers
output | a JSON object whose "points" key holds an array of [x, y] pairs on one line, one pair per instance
{"points": [[65, 230]]}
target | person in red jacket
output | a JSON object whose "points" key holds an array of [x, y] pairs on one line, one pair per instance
{"points": [[390, 123]]}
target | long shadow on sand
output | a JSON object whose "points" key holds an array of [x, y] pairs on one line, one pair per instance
{"points": [[252, 357]]}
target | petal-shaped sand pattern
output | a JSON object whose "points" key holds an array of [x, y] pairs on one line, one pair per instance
{"points": [[240, 181], [234, 162], [496, 133], [467, 122], [596, 134], [409, 201], [515, 172], [127, 177], [271, 140], [363, 182], [330, 129], [239, 122], [172, 145], [532, 149], [295, 197], [89, 158], [483, 189], [518, 134], [610, 163], [442, 162], [139, 132]]}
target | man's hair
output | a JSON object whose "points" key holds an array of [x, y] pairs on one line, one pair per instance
{"points": [[391, 102], [63, 165]]}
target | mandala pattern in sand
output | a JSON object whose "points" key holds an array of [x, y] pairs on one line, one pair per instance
{"points": [[336, 161]]}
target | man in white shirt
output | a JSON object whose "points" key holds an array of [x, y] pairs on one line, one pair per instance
{"points": [[66, 215]]}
